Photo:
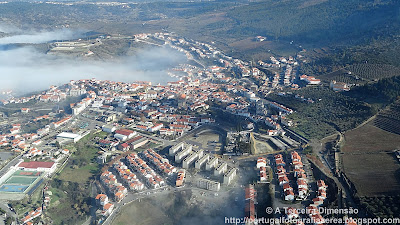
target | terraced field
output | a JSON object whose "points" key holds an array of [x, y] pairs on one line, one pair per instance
{"points": [[389, 119]]}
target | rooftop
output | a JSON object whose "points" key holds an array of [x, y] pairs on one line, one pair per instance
{"points": [[36, 164]]}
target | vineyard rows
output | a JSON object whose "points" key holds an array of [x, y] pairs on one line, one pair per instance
{"points": [[361, 73], [373, 71], [389, 119]]}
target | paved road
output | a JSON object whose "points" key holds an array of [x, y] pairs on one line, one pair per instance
{"points": [[92, 217], [4, 207], [9, 165]]}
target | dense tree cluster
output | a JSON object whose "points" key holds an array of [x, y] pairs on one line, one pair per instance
{"points": [[381, 206]]}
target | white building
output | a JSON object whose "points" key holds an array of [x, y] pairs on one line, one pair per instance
{"points": [[189, 160], [208, 185], [174, 149], [109, 128], [68, 137], [37, 166], [212, 163], [182, 154], [228, 177], [201, 161], [221, 169]]}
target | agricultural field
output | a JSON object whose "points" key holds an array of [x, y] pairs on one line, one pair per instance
{"points": [[389, 119], [330, 112], [341, 75], [368, 160], [373, 71], [361, 73], [373, 173]]}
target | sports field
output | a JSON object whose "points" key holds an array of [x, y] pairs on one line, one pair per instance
{"points": [[13, 188], [19, 181]]}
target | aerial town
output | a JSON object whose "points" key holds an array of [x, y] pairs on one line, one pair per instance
{"points": [[209, 129]]}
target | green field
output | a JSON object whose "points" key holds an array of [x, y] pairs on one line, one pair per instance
{"points": [[80, 175], [71, 186], [20, 180]]}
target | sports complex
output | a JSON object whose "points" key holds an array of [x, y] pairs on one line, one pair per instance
{"points": [[19, 181], [24, 177]]}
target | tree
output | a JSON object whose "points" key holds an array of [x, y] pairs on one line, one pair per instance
{"points": [[8, 221], [308, 150]]}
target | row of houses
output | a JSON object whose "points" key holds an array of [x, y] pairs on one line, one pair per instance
{"points": [[283, 180], [250, 200], [151, 178], [32, 215], [180, 178], [162, 164], [312, 209], [300, 175], [310, 79], [116, 189], [104, 205], [127, 177], [262, 167]]}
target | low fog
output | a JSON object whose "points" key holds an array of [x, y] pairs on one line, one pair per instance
{"points": [[33, 37], [26, 69]]}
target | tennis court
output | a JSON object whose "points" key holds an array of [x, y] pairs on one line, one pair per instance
{"points": [[26, 173]]}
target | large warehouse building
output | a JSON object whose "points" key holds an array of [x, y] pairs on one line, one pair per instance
{"points": [[68, 137]]}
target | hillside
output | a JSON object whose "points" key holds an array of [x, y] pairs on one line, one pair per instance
{"points": [[309, 23], [330, 112], [361, 73], [335, 111], [316, 22]]}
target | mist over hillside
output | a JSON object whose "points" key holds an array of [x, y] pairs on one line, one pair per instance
{"points": [[27, 69]]}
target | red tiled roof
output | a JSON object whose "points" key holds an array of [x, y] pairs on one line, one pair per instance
{"points": [[36, 164], [124, 132]]}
